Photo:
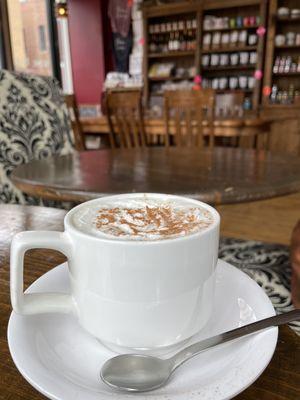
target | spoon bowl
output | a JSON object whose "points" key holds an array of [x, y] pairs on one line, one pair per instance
{"points": [[141, 373], [135, 372]]}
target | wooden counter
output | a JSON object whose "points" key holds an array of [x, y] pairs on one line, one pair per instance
{"points": [[284, 129]]}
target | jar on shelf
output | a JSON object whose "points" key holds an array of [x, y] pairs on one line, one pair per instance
{"points": [[244, 57], [216, 39], [206, 41], [215, 83], [251, 82], [205, 60], [234, 36], [233, 82], [290, 38], [243, 81], [280, 40], [224, 59], [252, 39], [225, 39], [223, 83], [243, 37], [253, 57], [234, 59], [214, 60], [239, 22]]}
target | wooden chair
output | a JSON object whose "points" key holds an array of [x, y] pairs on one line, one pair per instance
{"points": [[125, 118], [185, 111], [70, 101]]}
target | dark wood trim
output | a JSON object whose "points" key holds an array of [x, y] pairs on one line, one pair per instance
{"points": [[53, 35], [172, 9], [221, 4], [199, 34], [8, 59], [145, 60], [269, 54], [260, 54], [276, 111]]}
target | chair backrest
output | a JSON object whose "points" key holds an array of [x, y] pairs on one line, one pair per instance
{"points": [[125, 118], [185, 111], [34, 124], [75, 122]]}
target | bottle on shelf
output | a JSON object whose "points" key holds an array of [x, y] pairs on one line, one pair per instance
{"points": [[152, 45], [284, 96], [286, 64], [171, 41], [191, 43], [176, 43], [291, 93], [179, 35], [276, 65], [182, 40], [273, 95], [247, 105], [185, 36], [165, 38]]}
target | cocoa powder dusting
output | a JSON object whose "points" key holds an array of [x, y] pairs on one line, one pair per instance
{"points": [[155, 222]]}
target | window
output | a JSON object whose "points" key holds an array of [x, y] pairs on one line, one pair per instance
{"points": [[42, 38], [29, 29]]}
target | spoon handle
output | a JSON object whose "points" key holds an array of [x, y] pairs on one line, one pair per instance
{"points": [[198, 347]]}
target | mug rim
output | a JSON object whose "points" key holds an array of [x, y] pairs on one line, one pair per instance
{"points": [[121, 241]]}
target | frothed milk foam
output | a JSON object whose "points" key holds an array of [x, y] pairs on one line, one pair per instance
{"points": [[142, 218]]}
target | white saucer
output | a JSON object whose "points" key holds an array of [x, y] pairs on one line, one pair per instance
{"points": [[62, 361]]}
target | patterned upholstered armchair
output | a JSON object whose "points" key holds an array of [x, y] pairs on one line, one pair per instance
{"points": [[34, 124]]}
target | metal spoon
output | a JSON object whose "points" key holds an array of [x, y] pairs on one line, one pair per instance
{"points": [[140, 373]]}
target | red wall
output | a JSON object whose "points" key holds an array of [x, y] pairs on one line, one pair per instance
{"points": [[87, 52]]}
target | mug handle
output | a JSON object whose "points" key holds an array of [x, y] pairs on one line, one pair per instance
{"points": [[37, 303]]}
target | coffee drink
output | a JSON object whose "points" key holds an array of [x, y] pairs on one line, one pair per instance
{"points": [[129, 287], [142, 218]]}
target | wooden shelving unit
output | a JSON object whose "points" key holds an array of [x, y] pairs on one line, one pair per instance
{"points": [[169, 78], [286, 74], [289, 47], [234, 49], [197, 10], [167, 14], [234, 9], [172, 54], [228, 68], [286, 82], [289, 19], [237, 28]]}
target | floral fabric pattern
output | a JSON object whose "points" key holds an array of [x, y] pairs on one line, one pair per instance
{"points": [[268, 264], [34, 124]]}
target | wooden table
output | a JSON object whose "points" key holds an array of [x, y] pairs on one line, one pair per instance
{"points": [[223, 175], [281, 379]]}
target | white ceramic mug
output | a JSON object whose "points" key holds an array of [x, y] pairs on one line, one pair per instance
{"points": [[131, 295]]}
